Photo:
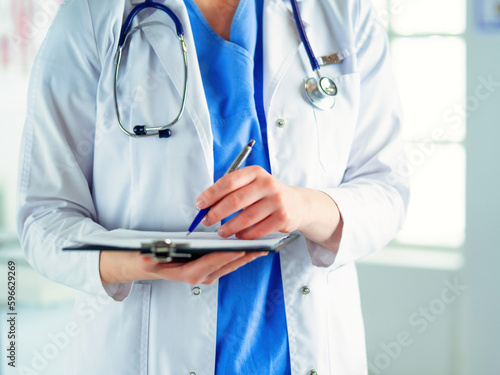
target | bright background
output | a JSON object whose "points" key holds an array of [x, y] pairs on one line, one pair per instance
{"points": [[444, 53]]}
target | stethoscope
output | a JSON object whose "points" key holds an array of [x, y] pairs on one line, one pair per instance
{"points": [[321, 95]]}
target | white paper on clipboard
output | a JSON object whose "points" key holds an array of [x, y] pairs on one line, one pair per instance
{"points": [[208, 240]]}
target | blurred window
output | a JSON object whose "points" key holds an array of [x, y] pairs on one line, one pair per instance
{"points": [[428, 50]]}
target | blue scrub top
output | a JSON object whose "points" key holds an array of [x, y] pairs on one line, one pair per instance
{"points": [[252, 334]]}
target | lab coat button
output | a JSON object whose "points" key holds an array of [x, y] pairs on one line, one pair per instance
{"points": [[196, 291], [313, 372], [192, 373], [305, 291], [281, 123]]}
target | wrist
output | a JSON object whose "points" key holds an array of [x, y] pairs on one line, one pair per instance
{"points": [[312, 207], [120, 267], [321, 221], [302, 204]]}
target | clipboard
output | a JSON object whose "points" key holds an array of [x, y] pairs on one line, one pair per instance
{"points": [[168, 247]]}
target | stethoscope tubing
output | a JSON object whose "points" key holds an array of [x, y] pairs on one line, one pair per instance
{"points": [[148, 4], [303, 36], [124, 36], [314, 92]]}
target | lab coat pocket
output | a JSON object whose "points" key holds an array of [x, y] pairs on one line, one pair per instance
{"points": [[102, 322], [335, 127]]}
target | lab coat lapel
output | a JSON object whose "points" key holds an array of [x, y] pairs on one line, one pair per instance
{"points": [[196, 105], [281, 42]]}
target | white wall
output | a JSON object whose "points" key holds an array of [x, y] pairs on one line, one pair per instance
{"points": [[481, 326], [411, 302]]}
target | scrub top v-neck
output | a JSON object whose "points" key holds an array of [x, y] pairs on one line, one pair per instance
{"points": [[252, 334]]}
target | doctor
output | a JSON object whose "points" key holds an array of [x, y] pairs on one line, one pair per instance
{"points": [[329, 174]]}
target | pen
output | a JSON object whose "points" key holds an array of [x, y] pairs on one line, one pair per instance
{"points": [[236, 164]]}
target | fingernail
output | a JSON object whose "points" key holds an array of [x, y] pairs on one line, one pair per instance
{"points": [[200, 202], [206, 221], [221, 232]]}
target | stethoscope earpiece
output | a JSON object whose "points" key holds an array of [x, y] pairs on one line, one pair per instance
{"points": [[321, 96], [165, 133]]}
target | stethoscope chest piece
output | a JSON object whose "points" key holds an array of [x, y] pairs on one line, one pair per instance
{"points": [[322, 96]]}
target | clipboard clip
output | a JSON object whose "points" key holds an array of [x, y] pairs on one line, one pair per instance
{"points": [[164, 250]]}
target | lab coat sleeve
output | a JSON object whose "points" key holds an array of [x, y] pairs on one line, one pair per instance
{"points": [[373, 195], [56, 161]]}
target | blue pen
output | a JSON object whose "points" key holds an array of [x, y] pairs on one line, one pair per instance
{"points": [[237, 163]]}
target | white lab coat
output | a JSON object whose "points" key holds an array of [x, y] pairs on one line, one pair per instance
{"points": [[79, 174]]}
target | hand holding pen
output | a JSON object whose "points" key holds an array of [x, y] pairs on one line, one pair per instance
{"points": [[236, 164], [264, 204]]}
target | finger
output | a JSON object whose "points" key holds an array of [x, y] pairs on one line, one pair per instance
{"points": [[233, 266], [195, 271], [267, 226], [226, 184], [234, 202], [148, 264], [248, 217]]}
